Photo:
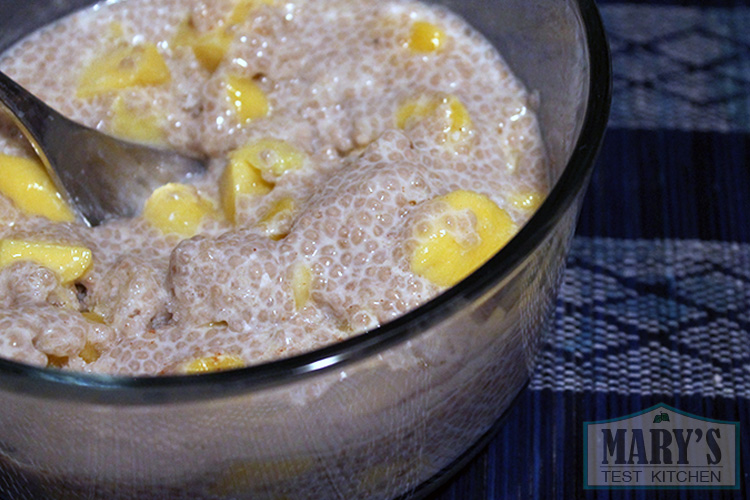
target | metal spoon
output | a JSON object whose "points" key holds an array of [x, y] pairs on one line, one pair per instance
{"points": [[102, 177]]}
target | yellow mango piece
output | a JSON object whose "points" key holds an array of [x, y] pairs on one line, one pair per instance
{"points": [[272, 156], [527, 200], [124, 67], [214, 363], [57, 361], [443, 258], [247, 99], [89, 353], [209, 48], [185, 35], [243, 8], [245, 475], [217, 324], [459, 116], [177, 208], [69, 262], [94, 317], [273, 221], [240, 177], [27, 184], [426, 37], [135, 126], [414, 110], [301, 284], [446, 106]]}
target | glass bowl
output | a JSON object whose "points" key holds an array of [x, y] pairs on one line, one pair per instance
{"points": [[387, 413]]}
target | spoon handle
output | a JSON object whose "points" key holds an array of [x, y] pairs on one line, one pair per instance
{"points": [[101, 177], [32, 116], [23, 106]]}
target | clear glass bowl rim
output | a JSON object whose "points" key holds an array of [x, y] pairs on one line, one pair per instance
{"points": [[129, 390]]}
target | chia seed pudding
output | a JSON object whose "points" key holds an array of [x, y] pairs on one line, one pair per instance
{"points": [[363, 157]]}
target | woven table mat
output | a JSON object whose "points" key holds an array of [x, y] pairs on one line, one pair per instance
{"points": [[655, 303]]}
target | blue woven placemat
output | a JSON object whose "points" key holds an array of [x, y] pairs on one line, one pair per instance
{"points": [[655, 304]]}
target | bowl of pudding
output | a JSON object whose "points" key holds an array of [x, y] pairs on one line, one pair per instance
{"points": [[356, 290]]}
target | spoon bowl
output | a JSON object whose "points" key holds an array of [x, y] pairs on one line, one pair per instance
{"points": [[101, 177]]}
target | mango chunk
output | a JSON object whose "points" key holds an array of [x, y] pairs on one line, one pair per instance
{"points": [[527, 200], [214, 363], [177, 208], [124, 67], [94, 317], [444, 258], [135, 126], [426, 37], [209, 48], [243, 475], [447, 108], [414, 110], [240, 177], [185, 35], [69, 262], [243, 8], [26, 183], [275, 221], [57, 361], [89, 353], [301, 284], [273, 157], [459, 116], [247, 99]]}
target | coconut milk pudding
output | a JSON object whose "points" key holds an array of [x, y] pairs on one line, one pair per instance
{"points": [[364, 156]]}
